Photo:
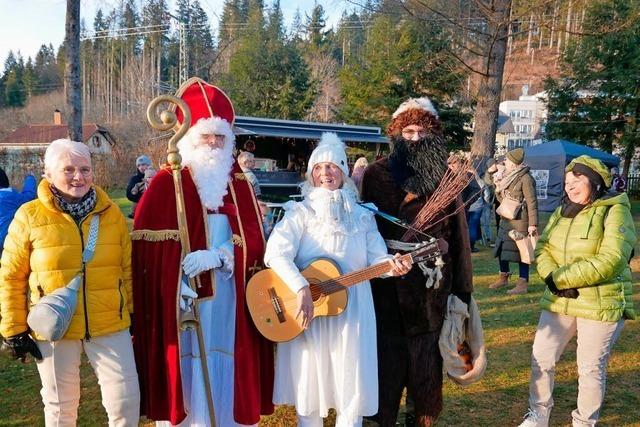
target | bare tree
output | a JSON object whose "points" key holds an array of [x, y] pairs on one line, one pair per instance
{"points": [[479, 31], [72, 82], [492, 60]]}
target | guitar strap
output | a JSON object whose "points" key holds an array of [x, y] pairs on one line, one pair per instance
{"points": [[394, 220]]}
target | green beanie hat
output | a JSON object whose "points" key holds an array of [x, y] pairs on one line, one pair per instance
{"points": [[595, 165], [516, 156]]}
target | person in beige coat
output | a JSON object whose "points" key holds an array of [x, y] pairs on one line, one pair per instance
{"points": [[517, 184]]}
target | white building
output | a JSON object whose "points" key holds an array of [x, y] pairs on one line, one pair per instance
{"points": [[528, 115]]}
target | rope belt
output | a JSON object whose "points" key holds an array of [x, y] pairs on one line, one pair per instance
{"points": [[432, 275]]}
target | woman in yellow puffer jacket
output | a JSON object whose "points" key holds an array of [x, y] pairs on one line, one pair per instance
{"points": [[43, 252]]}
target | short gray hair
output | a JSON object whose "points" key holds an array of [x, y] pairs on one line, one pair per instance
{"points": [[245, 155], [60, 147]]}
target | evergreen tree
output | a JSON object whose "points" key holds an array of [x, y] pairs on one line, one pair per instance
{"points": [[316, 36], [184, 11], [597, 99], [10, 62], [401, 59], [130, 19], [349, 39], [100, 27], [155, 14], [46, 69], [202, 50], [267, 76], [229, 31], [29, 78], [232, 17], [243, 6], [275, 24], [297, 28], [14, 88]]}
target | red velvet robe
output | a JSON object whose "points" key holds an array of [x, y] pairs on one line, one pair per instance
{"points": [[156, 275]]}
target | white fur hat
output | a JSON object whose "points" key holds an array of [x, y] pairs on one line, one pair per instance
{"points": [[423, 103], [330, 149], [211, 125]]}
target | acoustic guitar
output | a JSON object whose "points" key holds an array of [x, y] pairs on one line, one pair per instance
{"points": [[273, 305]]}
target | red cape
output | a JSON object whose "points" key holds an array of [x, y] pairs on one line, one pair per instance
{"points": [[156, 274]]}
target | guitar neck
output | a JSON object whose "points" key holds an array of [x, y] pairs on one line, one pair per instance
{"points": [[339, 283]]}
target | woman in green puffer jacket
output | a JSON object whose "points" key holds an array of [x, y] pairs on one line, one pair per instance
{"points": [[583, 256]]}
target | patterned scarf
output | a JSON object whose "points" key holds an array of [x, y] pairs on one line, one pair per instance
{"points": [[79, 209], [505, 182], [333, 210]]}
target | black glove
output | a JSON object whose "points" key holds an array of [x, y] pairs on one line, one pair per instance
{"points": [[18, 346], [565, 293]]}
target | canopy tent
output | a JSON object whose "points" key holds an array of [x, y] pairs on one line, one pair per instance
{"points": [[547, 162], [293, 129]]}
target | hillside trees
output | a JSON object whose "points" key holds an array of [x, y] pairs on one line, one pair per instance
{"points": [[376, 56], [317, 42], [402, 58], [230, 28], [14, 87], [276, 84], [597, 99]]}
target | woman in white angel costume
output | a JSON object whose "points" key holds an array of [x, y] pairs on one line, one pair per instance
{"points": [[333, 363]]}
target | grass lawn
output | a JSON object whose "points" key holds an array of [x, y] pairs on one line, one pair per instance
{"points": [[499, 399]]}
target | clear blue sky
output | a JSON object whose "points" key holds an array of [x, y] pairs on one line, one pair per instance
{"points": [[27, 24]]}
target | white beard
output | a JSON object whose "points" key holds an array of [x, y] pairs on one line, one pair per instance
{"points": [[334, 210], [210, 168]]}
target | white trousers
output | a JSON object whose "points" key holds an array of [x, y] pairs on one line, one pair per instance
{"points": [[112, 359], [315, 420], [595, 340]]}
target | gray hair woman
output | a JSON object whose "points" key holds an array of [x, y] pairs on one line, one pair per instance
{"points": [[43, 252]]}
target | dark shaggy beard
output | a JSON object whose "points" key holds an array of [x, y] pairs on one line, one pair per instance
{"points": [[418, 166]]}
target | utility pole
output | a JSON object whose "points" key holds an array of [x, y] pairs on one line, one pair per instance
{"points": [[183, 57]]}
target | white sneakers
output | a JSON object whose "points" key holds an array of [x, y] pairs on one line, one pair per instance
{"points": [[533, 419]]}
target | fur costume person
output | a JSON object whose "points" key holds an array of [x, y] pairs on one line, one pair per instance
{"points": [[409, 314]]}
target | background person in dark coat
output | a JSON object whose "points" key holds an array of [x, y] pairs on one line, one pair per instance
{"points": [[142, 163], [409, 310], [518, 184]]}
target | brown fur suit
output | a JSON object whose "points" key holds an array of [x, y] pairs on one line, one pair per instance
{"points": [[409, 316]]}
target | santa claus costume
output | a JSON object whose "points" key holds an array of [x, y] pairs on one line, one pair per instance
{"points": [[410, 310], [227, 244]]}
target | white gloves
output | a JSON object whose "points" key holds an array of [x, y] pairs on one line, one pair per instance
{"points": [[186, 295], [199, 261]]}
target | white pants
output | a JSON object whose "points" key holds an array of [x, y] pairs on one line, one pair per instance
{"points": [[112, 359], [315, 420], [595, 340]]}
